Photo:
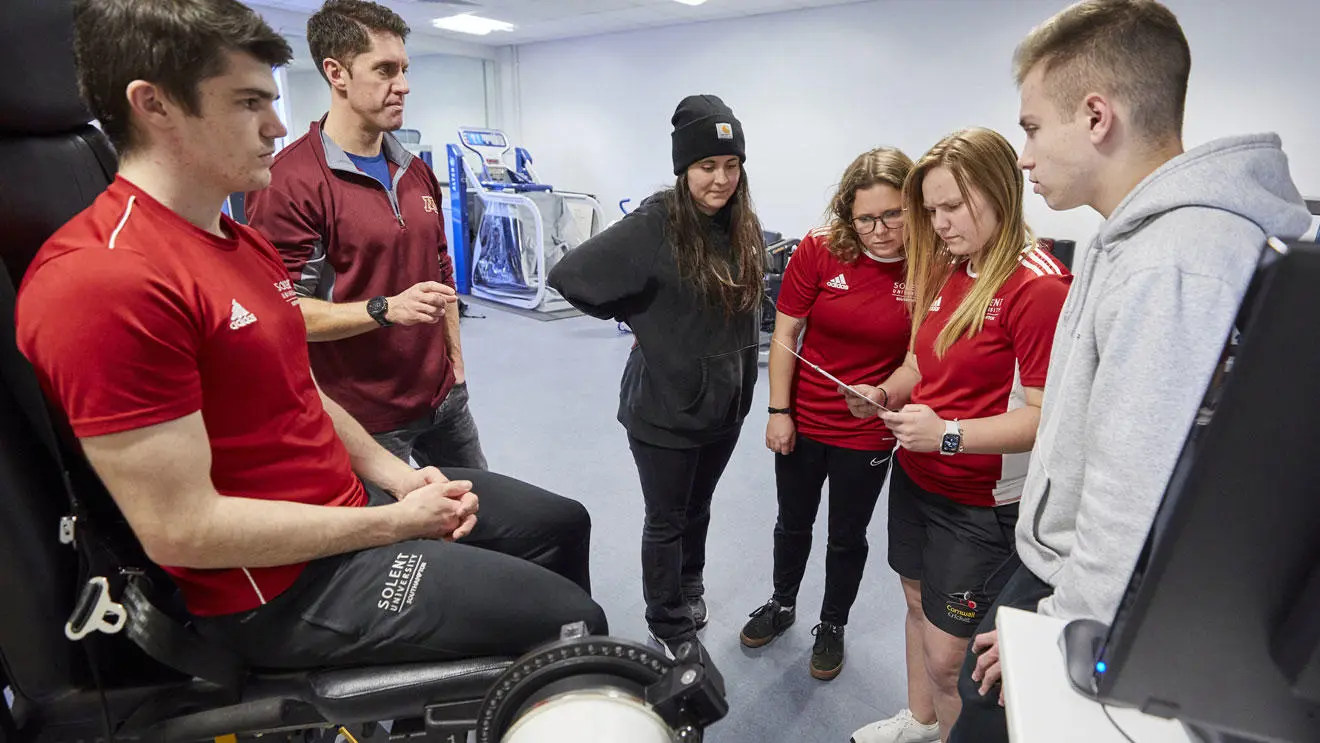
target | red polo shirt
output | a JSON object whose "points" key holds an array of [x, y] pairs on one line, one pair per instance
{"points": [[984, 375], [857, 329], [134, 317]]}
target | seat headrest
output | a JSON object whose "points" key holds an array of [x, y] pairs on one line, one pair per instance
{"points": [[36, 36]]}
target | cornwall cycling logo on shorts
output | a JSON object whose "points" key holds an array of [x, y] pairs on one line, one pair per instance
{"points": [[401, 582], [961, 607]]}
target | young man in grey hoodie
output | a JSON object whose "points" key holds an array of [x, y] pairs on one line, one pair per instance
{"points": [[1103, 85]]}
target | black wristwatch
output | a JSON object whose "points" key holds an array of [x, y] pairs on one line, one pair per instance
{"points": [[780, 411], [378, 307]]}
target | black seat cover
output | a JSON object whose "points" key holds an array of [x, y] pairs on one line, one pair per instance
{"points": [[53, 163], [49, 172]]}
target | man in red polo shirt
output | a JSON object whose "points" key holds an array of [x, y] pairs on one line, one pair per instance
{"points": [[357, 219], [187, 383]]}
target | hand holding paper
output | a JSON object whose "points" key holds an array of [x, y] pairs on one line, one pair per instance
{"points": [[862, 400], [854, 395], [917, 427]]}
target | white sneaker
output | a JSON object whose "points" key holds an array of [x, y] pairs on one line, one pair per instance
{"points": [[901, 728]]}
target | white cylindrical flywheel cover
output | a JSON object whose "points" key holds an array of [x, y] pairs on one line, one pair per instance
{"points": [[604, 716]]}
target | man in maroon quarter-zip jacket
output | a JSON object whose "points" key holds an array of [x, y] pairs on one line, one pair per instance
{"points": [[357, 220]]}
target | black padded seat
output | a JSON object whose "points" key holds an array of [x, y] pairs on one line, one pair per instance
{"points": [[53, 163]]}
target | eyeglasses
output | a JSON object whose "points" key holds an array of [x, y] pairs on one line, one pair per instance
{"points": [[892, 220]]}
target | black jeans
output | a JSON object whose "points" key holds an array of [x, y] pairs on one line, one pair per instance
{"points": [[856, 478], [447, 437], [982, 719], [504, 589], [677, 485]]}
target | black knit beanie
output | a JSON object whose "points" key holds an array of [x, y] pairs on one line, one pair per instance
{"points": [[705, 127]]}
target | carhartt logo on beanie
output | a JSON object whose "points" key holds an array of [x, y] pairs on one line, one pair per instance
{"points": [[705, 127]]}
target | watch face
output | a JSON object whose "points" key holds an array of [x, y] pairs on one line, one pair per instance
{"points": [[377, 307], [950, 444]]}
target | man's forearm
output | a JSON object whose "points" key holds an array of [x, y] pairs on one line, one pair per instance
{"points": [[245, 532], [371, 461], [329, 321], [454, 343]]}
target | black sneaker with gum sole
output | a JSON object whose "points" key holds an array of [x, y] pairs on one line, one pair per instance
{"points": [[827, 652], [767, 622]]}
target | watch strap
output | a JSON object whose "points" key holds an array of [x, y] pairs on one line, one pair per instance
{"points": [[378, 307]]}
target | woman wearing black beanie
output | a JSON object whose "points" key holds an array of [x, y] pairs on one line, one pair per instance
{"points": [[684, 270]]}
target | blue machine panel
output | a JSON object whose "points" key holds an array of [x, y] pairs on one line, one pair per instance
{"points": [[459, 220], [484, 139]]}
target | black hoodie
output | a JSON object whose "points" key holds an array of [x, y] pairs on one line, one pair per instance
{"points": [[690, 377]]}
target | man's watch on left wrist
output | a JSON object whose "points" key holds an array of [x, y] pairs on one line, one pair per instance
{"points": [[952, 443], [378, 308]]}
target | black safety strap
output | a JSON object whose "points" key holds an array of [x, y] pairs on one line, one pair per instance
{"points": [[170, 643], [156, 633]]}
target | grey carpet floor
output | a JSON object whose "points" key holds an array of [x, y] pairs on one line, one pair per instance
{"points": [[545, 396]]}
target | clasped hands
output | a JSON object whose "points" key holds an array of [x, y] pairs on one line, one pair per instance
{"points": [[435, 507]]}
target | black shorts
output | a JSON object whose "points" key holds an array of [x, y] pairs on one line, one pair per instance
{"points": [[962, 555]]}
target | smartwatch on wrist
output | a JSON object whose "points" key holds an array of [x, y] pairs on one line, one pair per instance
{"points": [[952, 443], [378, 307]]}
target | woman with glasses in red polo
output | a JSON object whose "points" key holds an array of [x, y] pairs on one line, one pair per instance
{"points": [[844, 287]]}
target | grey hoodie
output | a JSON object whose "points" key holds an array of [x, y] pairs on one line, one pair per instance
{"points": [[1151, 306]]}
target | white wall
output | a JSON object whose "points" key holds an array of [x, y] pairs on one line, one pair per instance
{"points": [[446, 92], [814, 88], [309, 98]]}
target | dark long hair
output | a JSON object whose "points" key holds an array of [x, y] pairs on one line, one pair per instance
{"points": [[732, 282]]}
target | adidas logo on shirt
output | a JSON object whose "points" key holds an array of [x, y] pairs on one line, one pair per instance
{"points": [[936, 306], [838, 282], [240, 317]]}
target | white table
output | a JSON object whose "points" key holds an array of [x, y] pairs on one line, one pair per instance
{"points": [[1042, 705]]}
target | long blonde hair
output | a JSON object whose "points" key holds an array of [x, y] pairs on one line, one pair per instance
{"points": [[979, 159], [886, 166]]}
